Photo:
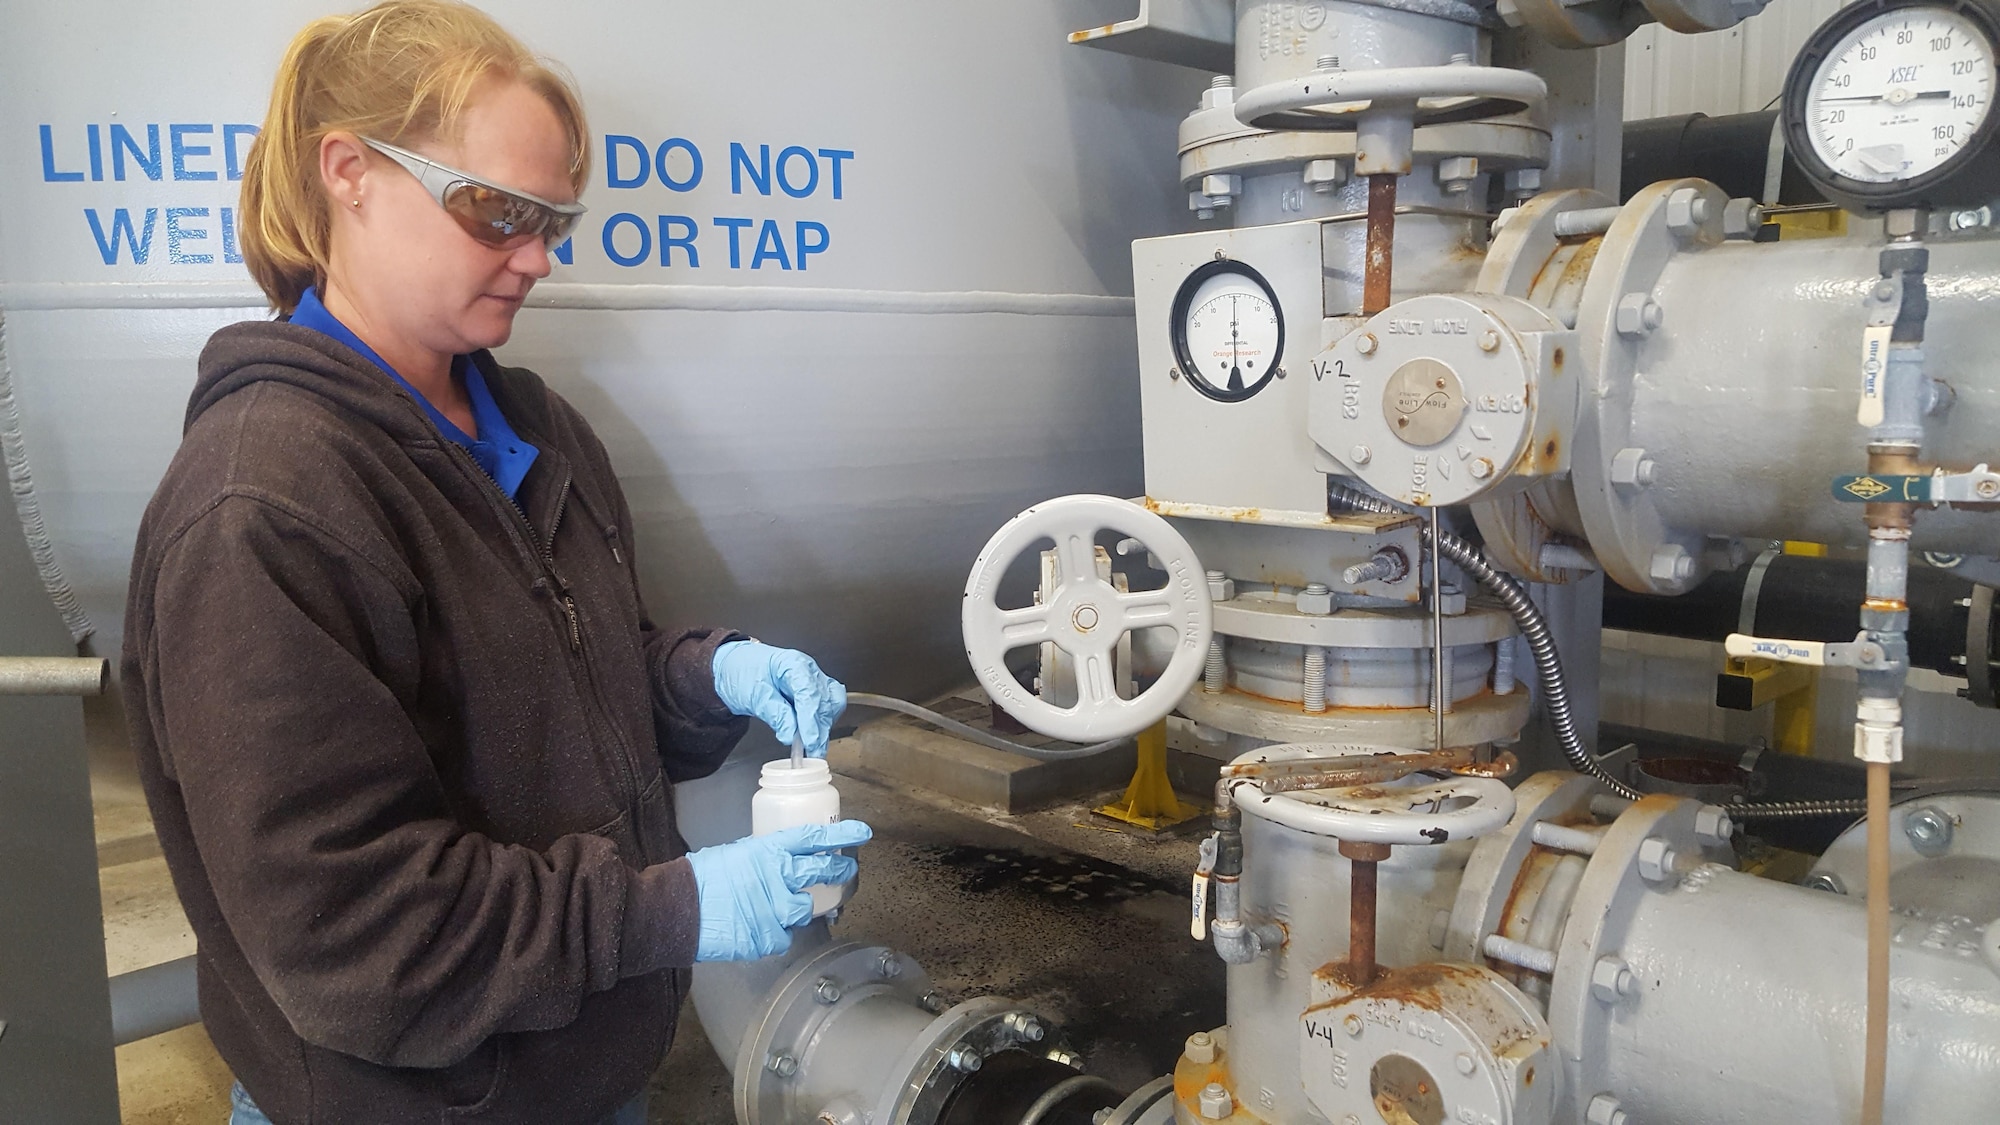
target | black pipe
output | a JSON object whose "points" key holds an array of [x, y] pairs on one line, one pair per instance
{"points": [[1732, 151], [1803, 598]]}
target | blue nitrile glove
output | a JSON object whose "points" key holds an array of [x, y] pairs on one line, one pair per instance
{"points": [[752, 890], [783, 688]]}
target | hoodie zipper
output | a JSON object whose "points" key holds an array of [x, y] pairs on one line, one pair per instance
{"points": [[545, 550]]}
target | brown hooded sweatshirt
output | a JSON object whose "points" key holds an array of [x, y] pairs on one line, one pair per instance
{"points": [[408, 747]]}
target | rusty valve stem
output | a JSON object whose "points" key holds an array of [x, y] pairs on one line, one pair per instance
{"points": [[1381, 244], [1362, 858]]}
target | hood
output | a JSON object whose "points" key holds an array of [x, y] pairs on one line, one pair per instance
{"points": [[261, 351]]}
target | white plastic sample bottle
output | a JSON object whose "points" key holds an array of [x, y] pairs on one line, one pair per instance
{"points": [[790, 794]]}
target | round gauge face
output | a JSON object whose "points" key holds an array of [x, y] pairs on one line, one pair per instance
{"points": [[1900, 95], [1228, 334]]}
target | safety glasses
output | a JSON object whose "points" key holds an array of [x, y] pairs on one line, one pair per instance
{"points": [[499, 217]]}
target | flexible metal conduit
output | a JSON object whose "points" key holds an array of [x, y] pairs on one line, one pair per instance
{"points": [[1548, 662]]}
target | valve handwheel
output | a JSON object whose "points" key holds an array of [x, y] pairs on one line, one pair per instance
{"points": [[1086, 616]]}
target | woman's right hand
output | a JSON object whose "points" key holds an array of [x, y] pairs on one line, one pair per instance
{"points": [[753, 890]]}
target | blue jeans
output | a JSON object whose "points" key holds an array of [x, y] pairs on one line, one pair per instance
{"points": [[243, 1111]]}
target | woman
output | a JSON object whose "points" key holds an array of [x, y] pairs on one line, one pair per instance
{"points": [[406, 729]]}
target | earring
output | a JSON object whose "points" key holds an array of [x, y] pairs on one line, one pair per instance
{"points": [[357, 203]]}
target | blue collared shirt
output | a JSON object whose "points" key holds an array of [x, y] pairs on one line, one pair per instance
{"points": [[498, 449]]}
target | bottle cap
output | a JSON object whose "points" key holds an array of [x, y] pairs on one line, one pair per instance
{"points": [[782, 774]]}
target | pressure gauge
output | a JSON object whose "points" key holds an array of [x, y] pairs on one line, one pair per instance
{"points": [[1890, 105], [1228, 334]]}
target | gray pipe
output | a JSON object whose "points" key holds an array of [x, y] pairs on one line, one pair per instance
{"points": [[156, 999], [53, 675]]}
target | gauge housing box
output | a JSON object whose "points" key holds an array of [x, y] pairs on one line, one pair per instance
{"points": [[1242, 457], [1970, 178]]}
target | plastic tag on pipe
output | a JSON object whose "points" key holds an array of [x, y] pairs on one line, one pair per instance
{"points": [[1198, 928], [1874, 365]]}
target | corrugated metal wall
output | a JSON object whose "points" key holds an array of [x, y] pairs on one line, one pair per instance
{"points": [[1734, 71]]}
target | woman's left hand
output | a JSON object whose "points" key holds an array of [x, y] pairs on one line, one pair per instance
{"points": [[781, 687]]}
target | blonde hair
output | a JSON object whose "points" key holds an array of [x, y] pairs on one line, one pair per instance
{"points": [[399, 72]]}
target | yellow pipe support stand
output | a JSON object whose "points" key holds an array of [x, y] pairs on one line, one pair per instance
{"points": [[1150, 801]]}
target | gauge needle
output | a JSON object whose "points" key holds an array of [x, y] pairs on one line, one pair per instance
{"points": [[1897, 96], [1235, 371]]}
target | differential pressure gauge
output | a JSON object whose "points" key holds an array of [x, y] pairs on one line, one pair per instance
{"points": [[1228, 334], [1890, 105]]}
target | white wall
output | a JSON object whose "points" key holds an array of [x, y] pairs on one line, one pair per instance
{"points": [[1736, 71]]}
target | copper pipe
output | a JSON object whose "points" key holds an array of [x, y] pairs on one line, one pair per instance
{"points": [[1875, 1073], [1381, 243], [1362, 858]]}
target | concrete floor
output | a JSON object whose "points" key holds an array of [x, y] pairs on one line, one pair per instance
{"points": [[1058, 909]]}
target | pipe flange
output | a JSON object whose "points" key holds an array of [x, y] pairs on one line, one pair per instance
{"points": [[1494, 868], [1598, 23], [1151, 1104], [1979, 680], [1972, 830], [799, 1008], [1261, 615], [1654, 847], [1632, 541], [940, 1058], [1483, 718]]}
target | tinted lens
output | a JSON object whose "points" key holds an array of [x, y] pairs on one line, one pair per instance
{"points": [[502, 220]]}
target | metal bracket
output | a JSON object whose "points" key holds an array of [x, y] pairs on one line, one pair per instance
{"points": [[1196, 33]]}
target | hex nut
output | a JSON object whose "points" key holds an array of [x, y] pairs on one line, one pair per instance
{"points": [[1524, 181], [1904, 222], [1742, 218], [1465, 1064], [1353, 1025], [1826, 881], [1315, 599], [1215, 1102], [1631, 468], [1221, 587], [1928, 829], [1979, 218], [1221, 187], [1481, 468], [1672, 563], [1713, 826], [1611, 980], [1605, 1110], [1638, 314], [1360, 455], [1658, 861], [1687, 210], [965, 1060], [1366, 344], [1200, 1048], [781, 1064], [827, 990], [1451, 601], [1324, 175], [1455, 173], [887, 966]]}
